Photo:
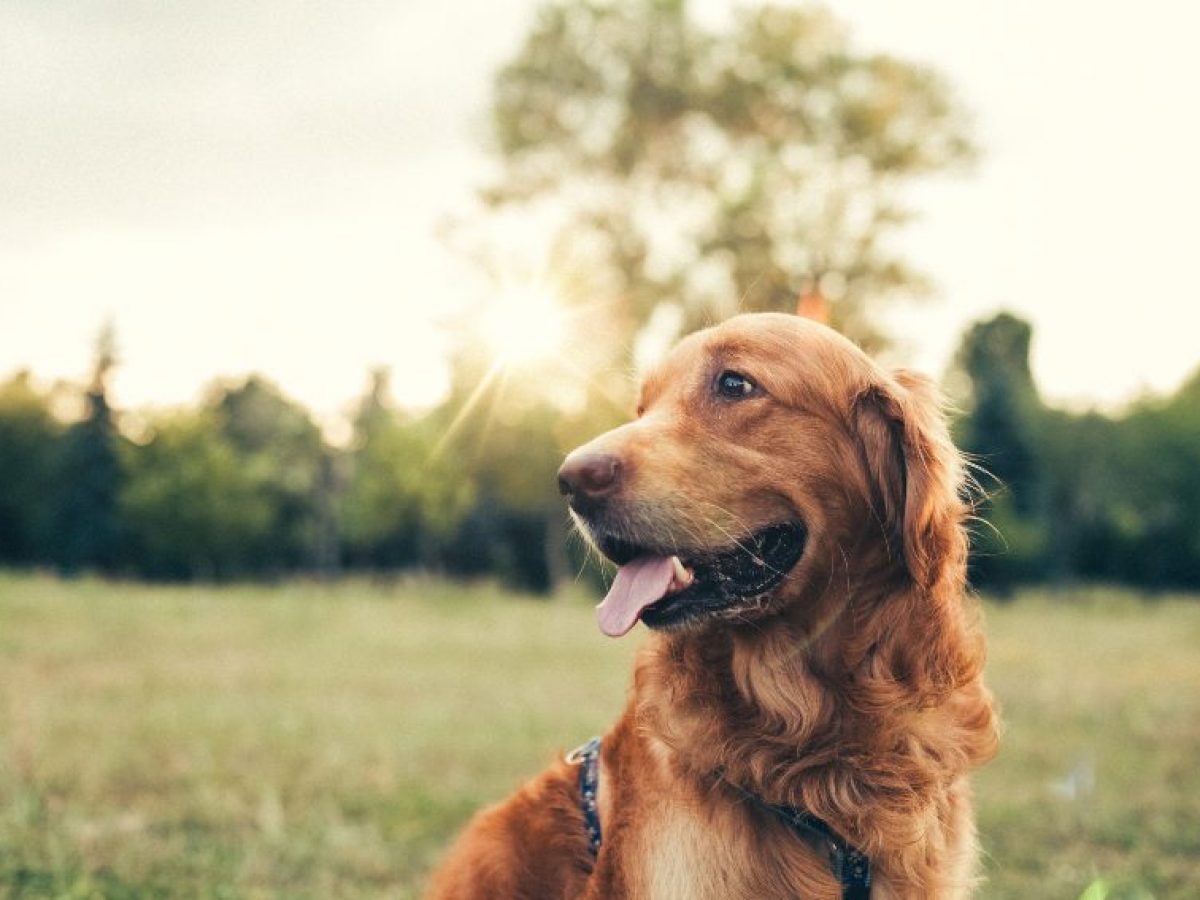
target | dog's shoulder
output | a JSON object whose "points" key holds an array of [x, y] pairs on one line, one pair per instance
{"points": [[532, 845]]}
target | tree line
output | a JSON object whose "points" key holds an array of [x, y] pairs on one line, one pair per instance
{"points": [[245, 485], [1076, 495], [683, 171], [242, 485]]}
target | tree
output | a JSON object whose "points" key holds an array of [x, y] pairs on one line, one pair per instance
{"points": [[1081, 495], [278, 443], [402, 499], [192, 507], [1000, 430], [1002, 405], [719, 169], [1144, 518], [84, 518], [517, 527], [29, 436], [683, 174]]}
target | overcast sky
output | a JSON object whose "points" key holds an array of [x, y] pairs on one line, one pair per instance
{"points": [[257, 186]]}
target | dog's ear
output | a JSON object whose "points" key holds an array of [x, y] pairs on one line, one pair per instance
{"points": [[914, 473]]}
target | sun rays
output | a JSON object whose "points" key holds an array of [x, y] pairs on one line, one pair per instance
{"points": [[524, 325], [535, 342]]}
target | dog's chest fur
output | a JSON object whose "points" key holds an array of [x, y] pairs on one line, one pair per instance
{"points": [[679, 857], [685, 847], [691, 843]]}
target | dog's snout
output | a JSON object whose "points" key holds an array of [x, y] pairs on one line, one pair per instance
{"points": [[587, 476]]}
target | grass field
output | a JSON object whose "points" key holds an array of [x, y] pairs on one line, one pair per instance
{"points": [[326, 741]]}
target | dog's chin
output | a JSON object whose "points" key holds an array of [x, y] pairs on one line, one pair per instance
{"points": [[734, 583]]}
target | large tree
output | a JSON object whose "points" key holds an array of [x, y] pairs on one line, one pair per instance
{"points": [[718, 169], [655, 175]]}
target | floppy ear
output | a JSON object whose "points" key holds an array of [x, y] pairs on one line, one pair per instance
{"points": [[915, 474]]}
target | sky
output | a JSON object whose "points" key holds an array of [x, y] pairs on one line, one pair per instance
{"points": [[261, 187]]}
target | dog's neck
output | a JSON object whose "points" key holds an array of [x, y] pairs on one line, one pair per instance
{"points": [[824, 713]]}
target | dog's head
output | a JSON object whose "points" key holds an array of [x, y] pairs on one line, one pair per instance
{"points": [[769, 455]]}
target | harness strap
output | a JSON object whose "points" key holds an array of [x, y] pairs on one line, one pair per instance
{"points": [[588, 758], [850, 866]]}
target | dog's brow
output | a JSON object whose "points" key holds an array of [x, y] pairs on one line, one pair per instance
{"points": [[722, 351], [739, 354]]}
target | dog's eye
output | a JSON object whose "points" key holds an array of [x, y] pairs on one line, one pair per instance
{"points": [[734, 385]]}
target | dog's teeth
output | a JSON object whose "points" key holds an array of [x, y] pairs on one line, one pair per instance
{"points": [[682, 576]]}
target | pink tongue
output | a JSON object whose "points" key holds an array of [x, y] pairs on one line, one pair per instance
{"points": [[637, 585]]}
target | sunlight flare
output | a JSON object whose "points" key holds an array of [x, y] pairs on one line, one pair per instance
{"points": [[524, 324]]}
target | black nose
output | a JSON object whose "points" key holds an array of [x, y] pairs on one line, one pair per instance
{"points": [[589, 476]]}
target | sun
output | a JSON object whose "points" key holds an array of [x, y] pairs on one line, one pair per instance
{"points": [[524, 324]]}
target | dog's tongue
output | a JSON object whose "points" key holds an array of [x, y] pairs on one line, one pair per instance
{"points": [[637, 585]]}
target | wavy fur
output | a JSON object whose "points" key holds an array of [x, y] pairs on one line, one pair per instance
{"points": [[854, 691]]}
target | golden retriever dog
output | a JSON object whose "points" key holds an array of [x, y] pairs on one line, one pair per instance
{"points": [[788, 522]]}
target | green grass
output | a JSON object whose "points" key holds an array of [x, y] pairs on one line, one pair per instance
{"points": [[326, 741]]}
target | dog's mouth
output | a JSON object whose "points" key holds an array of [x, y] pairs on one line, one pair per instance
{"points": [[670, 590]]}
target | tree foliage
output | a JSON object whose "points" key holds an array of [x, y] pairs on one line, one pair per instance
{"points": [[245, 484], [1004, 404], [402, 497], [194, 509], [279, 445], [29, 436], [681, 173], [720, 169], [82, 503], [1080, 495], [686, 172]]}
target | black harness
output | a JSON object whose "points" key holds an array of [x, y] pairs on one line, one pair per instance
{"points": [[850, 866], [588, 757]]}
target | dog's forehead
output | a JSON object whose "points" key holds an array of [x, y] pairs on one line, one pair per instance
{"points": [[787, 350]]}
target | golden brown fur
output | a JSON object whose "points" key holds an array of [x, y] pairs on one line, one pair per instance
{"points": [[853, 690]]}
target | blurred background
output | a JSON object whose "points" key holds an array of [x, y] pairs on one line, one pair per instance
{"points": [[302, 305]]}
